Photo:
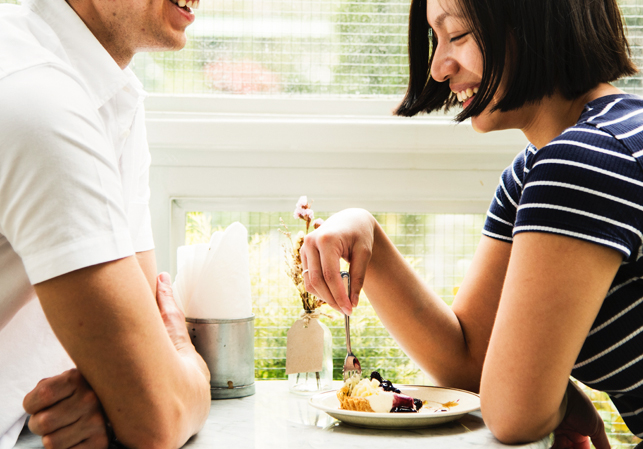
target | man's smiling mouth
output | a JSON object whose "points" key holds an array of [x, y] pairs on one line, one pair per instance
{"points": [[188, 5]]}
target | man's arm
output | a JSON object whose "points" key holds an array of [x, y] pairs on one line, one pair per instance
{"points": [[154, 391], [68, 413], [147, 262]]}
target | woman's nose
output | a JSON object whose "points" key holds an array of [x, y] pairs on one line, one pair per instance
{"points": [[443, 65]]}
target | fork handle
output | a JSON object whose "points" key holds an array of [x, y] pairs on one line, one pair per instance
{"points": [[347, 325], [346, 278]]}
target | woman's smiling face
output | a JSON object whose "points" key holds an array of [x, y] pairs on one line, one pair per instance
{"points": [[457, 60]]}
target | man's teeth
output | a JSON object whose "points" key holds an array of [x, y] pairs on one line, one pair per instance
{"points": [[466, 94], [193, 4]]}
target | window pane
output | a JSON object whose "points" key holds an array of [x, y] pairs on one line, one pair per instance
{"points": [[325, 48], [319, 47], [438, 246]]}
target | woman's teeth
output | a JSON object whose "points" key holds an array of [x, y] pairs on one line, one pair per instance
{"points": [[193, 4], [466, 94]]}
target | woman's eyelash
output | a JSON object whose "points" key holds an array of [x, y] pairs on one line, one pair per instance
{"points": [[457, 38]]}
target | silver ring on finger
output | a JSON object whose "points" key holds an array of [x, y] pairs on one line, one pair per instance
{"points": [[304, 272]]}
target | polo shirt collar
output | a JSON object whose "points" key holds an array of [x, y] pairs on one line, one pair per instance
{"points": [[101, 73]]}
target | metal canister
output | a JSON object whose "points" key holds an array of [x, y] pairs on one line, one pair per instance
{"points": [[227, 346]]}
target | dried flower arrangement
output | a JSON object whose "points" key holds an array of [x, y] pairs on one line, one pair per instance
{"points": [[294, 268]]}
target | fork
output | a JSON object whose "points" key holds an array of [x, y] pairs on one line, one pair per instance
{"points": [[351, 363]]}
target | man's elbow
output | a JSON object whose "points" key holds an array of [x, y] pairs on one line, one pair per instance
{"points": [[164, 427], [160, 436]]}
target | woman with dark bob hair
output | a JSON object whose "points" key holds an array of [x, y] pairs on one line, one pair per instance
{"points": [[555, 288]]}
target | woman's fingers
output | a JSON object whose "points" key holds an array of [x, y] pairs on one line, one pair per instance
{"points": [[360, 258], [581, 423], [332, 279], [314, 279], [601, 441], [304, 264]]}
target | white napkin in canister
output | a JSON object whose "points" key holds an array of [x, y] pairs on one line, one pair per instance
{"points": [[29, 352], [190, 261], [213, 280]]}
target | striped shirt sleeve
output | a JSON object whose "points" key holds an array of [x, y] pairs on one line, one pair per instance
{"points": [[504, 205], [584, 185]]}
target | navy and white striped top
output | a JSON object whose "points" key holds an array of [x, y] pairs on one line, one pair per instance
{"points": [[587, 183]]}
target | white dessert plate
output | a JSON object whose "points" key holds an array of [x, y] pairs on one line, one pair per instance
{"points": [[465, 402]]}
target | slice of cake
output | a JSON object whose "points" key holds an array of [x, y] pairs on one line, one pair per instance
{"points": [[375, 395]]}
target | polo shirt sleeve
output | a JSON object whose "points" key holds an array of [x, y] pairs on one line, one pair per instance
{"points": [[61, 205], [138, 209]]}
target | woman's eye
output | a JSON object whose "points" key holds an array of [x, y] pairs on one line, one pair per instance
{"points": [[457, 38]]}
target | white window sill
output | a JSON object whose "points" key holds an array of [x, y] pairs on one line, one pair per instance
{"points": [[222, 153]]}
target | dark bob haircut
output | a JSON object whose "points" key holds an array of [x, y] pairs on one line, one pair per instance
{"points": [[565, 46]]}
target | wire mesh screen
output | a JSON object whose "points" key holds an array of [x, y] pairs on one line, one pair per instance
{"points": [[632, 11], [305, 47], [318, 47]]}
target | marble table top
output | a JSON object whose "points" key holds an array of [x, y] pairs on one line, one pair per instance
{"points": [[273, 418]]}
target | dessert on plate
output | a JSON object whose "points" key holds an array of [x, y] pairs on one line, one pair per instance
{"points": [[375, 395]]}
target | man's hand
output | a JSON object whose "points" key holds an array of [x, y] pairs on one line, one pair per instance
{"points": [[66, 413], [174, 321], [173, 318], [581, 424]]}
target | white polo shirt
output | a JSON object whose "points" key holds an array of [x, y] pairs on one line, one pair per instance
{"points": [[74, 168]]}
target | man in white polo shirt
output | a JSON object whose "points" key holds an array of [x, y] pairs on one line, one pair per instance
{"points": [[75, 232]]}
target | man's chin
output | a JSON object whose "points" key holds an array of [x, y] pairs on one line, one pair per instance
{"points": [[176, 44]]}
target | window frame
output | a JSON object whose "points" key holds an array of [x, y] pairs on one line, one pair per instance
{"points": [[261, 154]]}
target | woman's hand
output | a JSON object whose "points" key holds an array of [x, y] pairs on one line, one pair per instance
{"points": [[67, 413], [348, 234], [581, 424]]}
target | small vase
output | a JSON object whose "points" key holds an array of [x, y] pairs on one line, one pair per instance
{"points": [[315, 381]]}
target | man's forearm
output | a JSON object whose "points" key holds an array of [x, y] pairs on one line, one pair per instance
{"points": [[151, 395]]}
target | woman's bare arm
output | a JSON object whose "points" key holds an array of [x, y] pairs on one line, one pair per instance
{"points": [[554, 289], [447, 343]]}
